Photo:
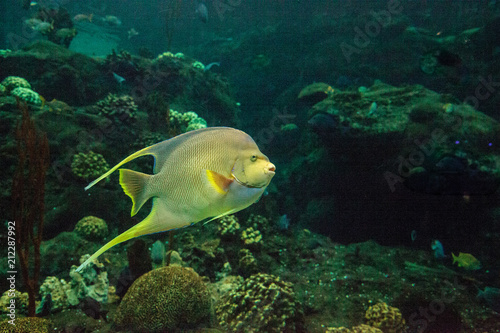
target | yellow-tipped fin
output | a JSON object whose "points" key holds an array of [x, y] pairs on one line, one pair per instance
{"points": [[134, 185], [219, 182]]}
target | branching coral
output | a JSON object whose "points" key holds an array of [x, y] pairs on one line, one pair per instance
{"points": [[122, 108]]}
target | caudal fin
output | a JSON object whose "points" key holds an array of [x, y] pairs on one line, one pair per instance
{"points": [[134, 185], [160, 219]]}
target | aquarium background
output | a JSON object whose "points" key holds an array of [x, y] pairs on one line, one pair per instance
{"points": [[381, 118]]}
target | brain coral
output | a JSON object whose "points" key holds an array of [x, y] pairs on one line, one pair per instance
{"points": [[386, 318], [92, 228], [164, 299], [27, 324], [27, 95], [261, 303]]}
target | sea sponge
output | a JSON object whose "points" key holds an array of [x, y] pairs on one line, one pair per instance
{"points": [[27, 324], [27, 95], [261, 303], [228, 226], [92, 228], [12, 82], [386, 318], [166, 298], [89, 166], [121, 108], [252, 237], [356, 329]]}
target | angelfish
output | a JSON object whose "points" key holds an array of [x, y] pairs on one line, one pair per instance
{"points": [[206, 173]]}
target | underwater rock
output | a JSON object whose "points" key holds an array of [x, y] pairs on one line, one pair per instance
{"points": [[164, 299], [315, 93]]}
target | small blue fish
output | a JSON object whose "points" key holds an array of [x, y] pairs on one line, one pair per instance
{"points": [[438, 250], [118, 78], [283, 222], [413, 235]]}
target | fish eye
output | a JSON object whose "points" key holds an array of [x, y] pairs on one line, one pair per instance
{"points": [[253, 158]]}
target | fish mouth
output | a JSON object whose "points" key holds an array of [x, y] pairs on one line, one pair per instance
{"points": [[270, 169]]}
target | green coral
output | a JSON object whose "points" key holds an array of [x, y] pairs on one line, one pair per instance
{"points": [[12, 82], [3, 90], [250, 236], [92, 228], [4, 53], [179, 55], [121, 108], [186, 121], [57, 290], [165, 299], [228, 226], [27, 95], [385, 317], [20, 298], [198, 65], [27, 324], [356, 329], [262, 303], [89, 166], [247, 264], [258, 222]]}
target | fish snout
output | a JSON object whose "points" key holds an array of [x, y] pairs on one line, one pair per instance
{"points": [[270, 169]]}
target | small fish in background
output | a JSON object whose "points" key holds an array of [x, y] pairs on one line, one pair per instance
{"points": [[437, 249], [210, 65], [83, 17], [202, 12], [132, 33], [467, 261], [491, 296], [42, 27], [283, 222], [322, 123], [33, 3], [158, 253], [65, 33], [112, 20], [413, 236], [118, 78]]}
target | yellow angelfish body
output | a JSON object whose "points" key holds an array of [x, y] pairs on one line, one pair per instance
{"points": [[210, 172]]}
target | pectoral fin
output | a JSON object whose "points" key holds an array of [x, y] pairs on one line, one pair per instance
{"points": [[219, 182]]}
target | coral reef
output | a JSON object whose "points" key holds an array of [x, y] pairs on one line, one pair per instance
{"points": [[27, 95], [27, 324], [198, 65], [258, 222], [251, 237], [261, 303], [92, 228], [247, 265], [164, 299], [386, 318], [21, 301], [228, 226], [118, 108], [88, 166], [356, 329], [12, 82], [57, 289], [186, 121]]}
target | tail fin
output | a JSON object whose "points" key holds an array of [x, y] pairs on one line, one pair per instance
{"points": [[160, 219], [134, 185], [454, 258], [90, 17]]}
